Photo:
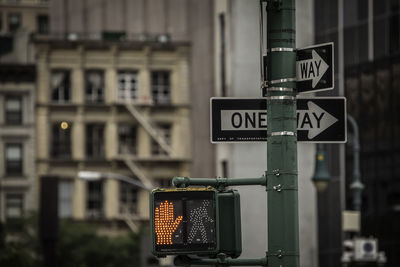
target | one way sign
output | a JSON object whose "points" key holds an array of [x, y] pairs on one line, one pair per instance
{"points": [[315, 68], [320, 120]]}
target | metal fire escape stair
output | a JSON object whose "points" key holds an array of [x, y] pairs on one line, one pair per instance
{"points": [[149, 128], [130, 220], [137, 171], [145, 123]]}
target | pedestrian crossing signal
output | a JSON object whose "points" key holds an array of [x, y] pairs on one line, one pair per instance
{"points": [[196, 221], [183, 221]]}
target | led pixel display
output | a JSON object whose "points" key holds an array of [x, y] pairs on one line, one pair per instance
{"points": [[184, 221], [166, 223]]}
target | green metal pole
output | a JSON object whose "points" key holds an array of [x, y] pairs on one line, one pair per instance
{"points": [[283, 222], [217, 182]]}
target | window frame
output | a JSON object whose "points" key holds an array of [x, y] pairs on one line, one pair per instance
{"points": [[10, 171], [19, 205], [65, 152], [129, 145], [160, 83], [7, 112], [95, 140], [96, 212], [164, 129], [128, 198], [130, 91], [43, 29], [64, 88], [9, 26], [91, 96], [62, 199]]}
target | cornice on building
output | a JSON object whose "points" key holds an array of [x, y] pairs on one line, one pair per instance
{"points": [[62, 41]]}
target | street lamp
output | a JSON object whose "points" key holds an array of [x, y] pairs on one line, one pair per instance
{"points": [[95, 176], [321, 175]]}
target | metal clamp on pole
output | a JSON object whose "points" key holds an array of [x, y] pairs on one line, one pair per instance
{"points": [[282, 97], [279, 188], [280, 89], [281, 253], [283, 133], [279, 172], [281, 49], [284, 80]]}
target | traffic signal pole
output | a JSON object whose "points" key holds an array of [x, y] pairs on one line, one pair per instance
{"points": [[282, 188], [281, 176]]}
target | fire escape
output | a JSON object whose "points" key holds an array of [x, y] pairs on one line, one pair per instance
{"points": [[132, 219]]}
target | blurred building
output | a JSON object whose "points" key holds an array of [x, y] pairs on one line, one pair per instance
{"points": [[367, 49], [112, 107], [17, 143], [18, 20], [123, 88]]}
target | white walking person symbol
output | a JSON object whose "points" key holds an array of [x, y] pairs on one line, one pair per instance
{"points": [[198, 216]]}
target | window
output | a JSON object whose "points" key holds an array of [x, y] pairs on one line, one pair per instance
{"points": [[127, 198], [14, 22], [13, 110], [65, 190], [95, 140], [61, 140], [160, 87], [14, 206], [94, 92], [127, 139], [95, 199], [127, 85], [164, 130], [43, 24], [60, 86], [13, 159]]}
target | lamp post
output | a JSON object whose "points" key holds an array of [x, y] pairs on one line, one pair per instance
{"points": [[95, 176], [321, 175], [356, 185]]}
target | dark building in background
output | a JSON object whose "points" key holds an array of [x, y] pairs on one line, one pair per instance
{"points": [[367, 45]]}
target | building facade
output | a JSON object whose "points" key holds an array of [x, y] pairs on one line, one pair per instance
{"points": [[154, 20], [158, 54], [17, 169], [113, 108], [366, 36], [18, 20]]}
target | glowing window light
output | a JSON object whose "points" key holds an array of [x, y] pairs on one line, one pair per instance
{"points": [[64, 125]]}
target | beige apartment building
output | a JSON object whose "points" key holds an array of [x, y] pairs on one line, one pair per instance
{"points": [[17, 165], [118, 108], [18, 21]]}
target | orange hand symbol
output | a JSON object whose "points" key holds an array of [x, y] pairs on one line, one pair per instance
{"points": [[165, 225]]}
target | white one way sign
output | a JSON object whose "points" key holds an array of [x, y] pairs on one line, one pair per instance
{"points": [[311, 69], [315, 68], [321, 120], [314, 120]]}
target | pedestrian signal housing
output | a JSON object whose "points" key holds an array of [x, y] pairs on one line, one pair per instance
{"points": [[189, 221]]}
